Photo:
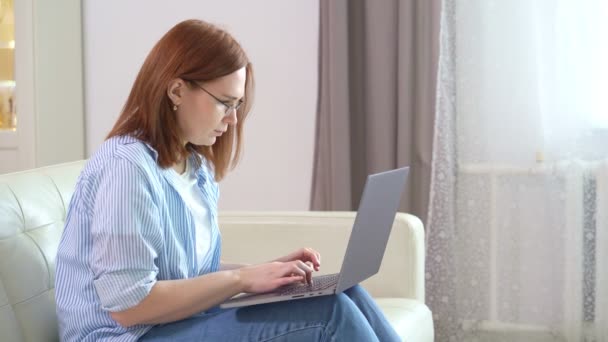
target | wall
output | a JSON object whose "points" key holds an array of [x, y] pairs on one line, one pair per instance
{"points": [[280, 38], [58, 82]]}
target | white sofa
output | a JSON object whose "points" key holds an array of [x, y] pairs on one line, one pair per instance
{"points": [[32, 212]]}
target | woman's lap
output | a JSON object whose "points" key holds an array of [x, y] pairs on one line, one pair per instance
{"points": [[252, 323], [309, 319]]}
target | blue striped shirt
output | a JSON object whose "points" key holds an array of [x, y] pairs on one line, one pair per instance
{"points": [[126, 228]]}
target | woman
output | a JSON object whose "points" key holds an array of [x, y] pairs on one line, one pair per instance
{"points": [[140, 254]]}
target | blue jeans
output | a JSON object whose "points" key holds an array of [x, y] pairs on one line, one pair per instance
{"points": [[350, 316]]}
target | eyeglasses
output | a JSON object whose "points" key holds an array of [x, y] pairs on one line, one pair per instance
{"points": [[229, 107]]}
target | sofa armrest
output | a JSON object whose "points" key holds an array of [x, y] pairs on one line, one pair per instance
{"points": [[254, 237]]}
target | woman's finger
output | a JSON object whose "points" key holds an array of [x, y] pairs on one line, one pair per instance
{"points": [[317, 261], [306, 267], [309, 274], [294, 268], [315, 257], [288, 280]]}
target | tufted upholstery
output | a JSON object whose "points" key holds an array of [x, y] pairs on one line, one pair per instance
{"points": [[32, 213]]}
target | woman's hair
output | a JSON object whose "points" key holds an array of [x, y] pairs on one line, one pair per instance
{"points": [[192, 50]]}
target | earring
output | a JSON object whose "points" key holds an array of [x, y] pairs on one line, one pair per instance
{"points": [[174, 107]]}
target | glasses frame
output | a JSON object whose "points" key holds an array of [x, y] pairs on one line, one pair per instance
{"points": [[229, 107]]}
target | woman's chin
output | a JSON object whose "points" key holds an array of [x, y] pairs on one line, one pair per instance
{"points": [[209, 141], [204, 141]]}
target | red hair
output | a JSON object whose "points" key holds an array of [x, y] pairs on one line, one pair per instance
{"points": [[192, 50]]}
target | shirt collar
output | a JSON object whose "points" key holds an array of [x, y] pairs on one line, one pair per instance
{"points": [[203, 169]]}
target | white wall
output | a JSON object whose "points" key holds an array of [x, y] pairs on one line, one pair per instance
{"points": [[58, 82], [280, 37]]}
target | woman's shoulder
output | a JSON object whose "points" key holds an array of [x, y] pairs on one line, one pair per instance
{"points": [[126, 150]]}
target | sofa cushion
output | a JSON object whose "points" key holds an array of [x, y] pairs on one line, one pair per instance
{"points": [[412, 319]]}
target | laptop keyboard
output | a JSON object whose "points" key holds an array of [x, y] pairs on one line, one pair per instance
{"points": [[318, 283]]}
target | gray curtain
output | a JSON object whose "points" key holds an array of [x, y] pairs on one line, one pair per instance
{"points": [[377, 78]]}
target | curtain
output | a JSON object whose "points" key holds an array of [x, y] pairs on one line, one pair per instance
{"points": [[516, 234], [377, 72]]}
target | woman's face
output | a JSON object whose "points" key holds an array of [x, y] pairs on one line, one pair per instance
{"points": [[201, 117]]}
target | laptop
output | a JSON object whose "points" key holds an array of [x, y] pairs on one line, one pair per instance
{"points": [[365, 250]]}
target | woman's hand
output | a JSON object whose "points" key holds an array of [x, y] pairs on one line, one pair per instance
{"points": [[270, 276], [307, 255]]}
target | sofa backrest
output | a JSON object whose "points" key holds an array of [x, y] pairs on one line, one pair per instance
{"points": [[32, 214]]}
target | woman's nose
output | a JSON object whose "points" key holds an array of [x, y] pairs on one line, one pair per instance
{"points": [[231, 118]]}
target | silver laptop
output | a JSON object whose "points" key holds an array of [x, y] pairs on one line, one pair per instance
{"points": [[368, 239]]}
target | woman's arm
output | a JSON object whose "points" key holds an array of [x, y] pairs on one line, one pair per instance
{"points": [[173, 300]]}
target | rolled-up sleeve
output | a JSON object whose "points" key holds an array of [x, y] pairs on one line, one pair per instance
{"points": [[126, 236]]}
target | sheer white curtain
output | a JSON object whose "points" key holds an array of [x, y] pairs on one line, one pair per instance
{"points": [[517, 227]]}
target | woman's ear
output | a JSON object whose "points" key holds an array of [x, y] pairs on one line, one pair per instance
{"points": [[175, 91]]}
